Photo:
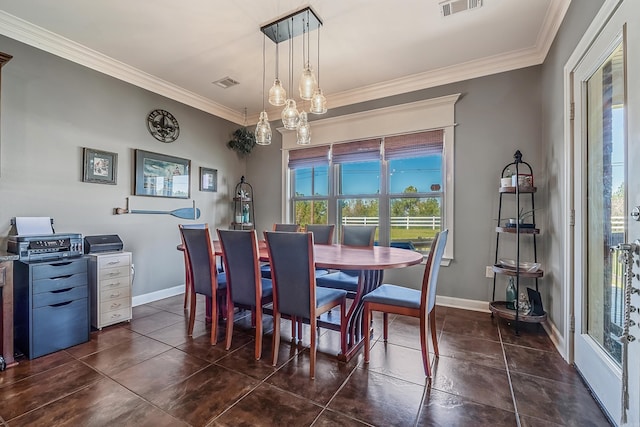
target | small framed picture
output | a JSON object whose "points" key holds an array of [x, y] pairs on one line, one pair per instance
{"points": [[208, 179], [100, 166]]}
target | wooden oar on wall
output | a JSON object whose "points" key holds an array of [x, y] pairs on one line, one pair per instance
{"points": [[184, 213]]}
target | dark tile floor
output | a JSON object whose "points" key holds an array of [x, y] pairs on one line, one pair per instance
{"points": [[148, 372]]}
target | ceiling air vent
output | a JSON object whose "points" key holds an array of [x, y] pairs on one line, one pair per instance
{"points": [[450, 7], [226, 82]]}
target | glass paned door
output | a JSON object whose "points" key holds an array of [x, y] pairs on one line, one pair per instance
{"points": [[606, 202], [606, 152]]}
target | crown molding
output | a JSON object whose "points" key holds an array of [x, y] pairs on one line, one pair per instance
{"points": [[32, 35]]}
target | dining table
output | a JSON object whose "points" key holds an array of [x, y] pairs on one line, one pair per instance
{"points": [[370, 262]]}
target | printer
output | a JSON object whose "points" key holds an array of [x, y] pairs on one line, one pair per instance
{"points": [[33, 239], [102, 243]]}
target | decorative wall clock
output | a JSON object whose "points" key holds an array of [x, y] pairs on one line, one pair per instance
{"points": [[163, 126]]}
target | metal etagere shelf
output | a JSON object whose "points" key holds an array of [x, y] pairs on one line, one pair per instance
{"points": [[243, 210]]}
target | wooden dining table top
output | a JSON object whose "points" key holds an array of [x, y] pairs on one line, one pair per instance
{"points": [[351, 257]]}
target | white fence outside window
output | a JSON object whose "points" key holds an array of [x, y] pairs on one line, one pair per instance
{"points": [[406, 222]]}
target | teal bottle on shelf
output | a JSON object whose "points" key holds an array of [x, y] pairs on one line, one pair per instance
{"points": [[512, 295]]}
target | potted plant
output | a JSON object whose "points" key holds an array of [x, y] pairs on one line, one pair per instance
{"points": [[243, 141], [522, 216]]}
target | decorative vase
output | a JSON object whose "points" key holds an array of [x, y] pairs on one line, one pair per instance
{"points": [[511, 295]]}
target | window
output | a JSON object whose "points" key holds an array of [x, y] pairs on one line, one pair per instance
{"points": [[399, 177], [400, 192]]}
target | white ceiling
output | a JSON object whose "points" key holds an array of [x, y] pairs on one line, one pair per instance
{"points": [[368, 48]]}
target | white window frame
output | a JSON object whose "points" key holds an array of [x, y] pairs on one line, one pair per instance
{"points": [[436, 113]]}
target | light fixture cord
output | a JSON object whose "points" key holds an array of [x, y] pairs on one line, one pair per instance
{"points": [[263, 66], [304, 58], [291, 59], [277, 54], [318, 55]]}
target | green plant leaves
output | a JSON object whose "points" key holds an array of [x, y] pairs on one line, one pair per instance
{"points": [[243, 141]]}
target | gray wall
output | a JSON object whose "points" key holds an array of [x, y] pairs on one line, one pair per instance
{"points": [[576, 21], [496, 115], [51, 108]]}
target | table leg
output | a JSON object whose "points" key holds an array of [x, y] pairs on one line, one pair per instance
{"points": [[352, 329]]}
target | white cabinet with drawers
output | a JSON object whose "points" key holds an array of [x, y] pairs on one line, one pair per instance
{"points": [[110, 281]]}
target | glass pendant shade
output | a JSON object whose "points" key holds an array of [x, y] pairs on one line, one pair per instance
{"points": [[308, 83], [318, 102], [303, 131], [277, 94], [263, 130], [290, 116]]}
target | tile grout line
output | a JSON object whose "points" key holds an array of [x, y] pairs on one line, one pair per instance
{"points": [[506, 365]]}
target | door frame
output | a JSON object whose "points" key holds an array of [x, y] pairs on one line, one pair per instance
{"points": [[568, 209]]}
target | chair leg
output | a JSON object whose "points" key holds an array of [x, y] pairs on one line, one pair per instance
{"points": [[186, 296], [258, 350], [385, 327], [294, 322], [275, 345], [229, 333], [367, 332], [424, 346], [299, 322], [192, 314], [214, 321], [434, 334], [312, 350]]}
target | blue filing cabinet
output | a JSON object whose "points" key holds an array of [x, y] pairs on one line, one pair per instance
{"points": [[51, 305]]}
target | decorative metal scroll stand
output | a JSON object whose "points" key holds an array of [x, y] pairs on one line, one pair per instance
{"points": [[184, 213], [626, 252]]}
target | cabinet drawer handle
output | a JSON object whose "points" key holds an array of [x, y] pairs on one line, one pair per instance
{"points": [[59, 291], [113, 284], [60, 264], [112, 274], [62, 277], [116, 305], [113, 262], [115, 295], [116, 315], [60, 304]]}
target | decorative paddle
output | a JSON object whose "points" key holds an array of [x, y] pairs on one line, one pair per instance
{"points": [[184, 213]]}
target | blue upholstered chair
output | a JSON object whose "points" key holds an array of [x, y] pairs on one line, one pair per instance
{"points": [[352, 235], [245, 287], [186, 266], [294, 286], [202, 272], [322, 235], [265, 270], [409, 302]]}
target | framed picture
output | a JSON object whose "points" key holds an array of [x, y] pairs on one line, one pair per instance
{"points": [[99, 166], [159, 175], [208, 179]]}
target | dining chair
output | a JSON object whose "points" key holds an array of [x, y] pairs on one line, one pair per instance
{"points": [[352, 235], [322, 233], [294, 286], [400, 300], [203, 274], [286, 227], [186, 266], [265, 269], [245, 287]]}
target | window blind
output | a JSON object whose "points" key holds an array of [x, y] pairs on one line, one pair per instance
{"points": [[309, 157], [358, 151], [414, 145]]}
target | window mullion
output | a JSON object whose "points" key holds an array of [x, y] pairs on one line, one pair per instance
{"points": [[384, 228]]}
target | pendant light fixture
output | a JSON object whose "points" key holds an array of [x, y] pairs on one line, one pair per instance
{"points": [[290, 115], [297, 23], [308, 83], [263, 128], [277, 94], [318, 101]]}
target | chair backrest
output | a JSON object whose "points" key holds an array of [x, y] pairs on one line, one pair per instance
{"points": [[240, 255], [286, 227], [358, 235], [200, 256], [292, 272], [430, 279], [322, 233]]}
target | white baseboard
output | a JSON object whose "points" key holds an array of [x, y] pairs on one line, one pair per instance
{"points": [[557, 339], [157, 295], [465, 304]]}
